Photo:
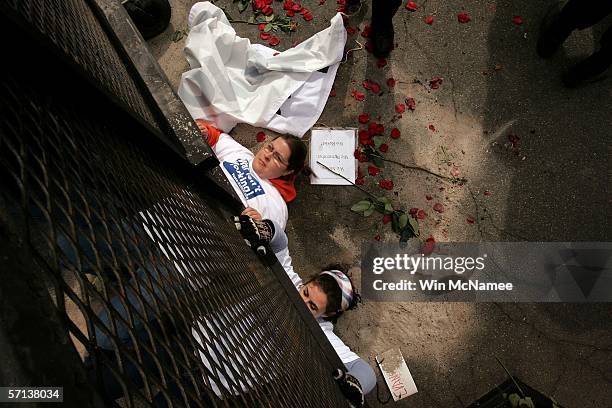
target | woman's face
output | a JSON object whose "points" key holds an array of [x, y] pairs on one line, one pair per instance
{"points": [[272, 160], [315, 298]]}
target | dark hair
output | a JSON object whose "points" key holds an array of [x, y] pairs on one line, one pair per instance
{"points": [[330, 287], [299, 151]]}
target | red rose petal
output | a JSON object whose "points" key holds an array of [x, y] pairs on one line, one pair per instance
{"points": [[438, 207], [308, 17], [470, 220], [374, 87], [428, 197], [357, 95], [367, 30], [518, 20], [435, 82], [265, 36], [410, 103], [332, 93], [366, 84], [421, 215], [400, 108], [428, 247], [351, 30], [274, 41], [260, 136], [390, 82], [380, 129], [463, 18], [364, 118], [413, 211], [296, 7], [373, 170], [261, 26], [411, 6], [429, 20], [387, 218], [304, 11], [384, 148], [431, 127], [395, 133], [487, 193], [267, 10], [455, 171], [290, 13], [377, 237], [381, 62]]}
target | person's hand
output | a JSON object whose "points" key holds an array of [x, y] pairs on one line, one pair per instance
{"points": [[202, 126], [257, 234], [253, 213], [350, 387]]}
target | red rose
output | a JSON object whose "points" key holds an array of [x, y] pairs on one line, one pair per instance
{"points": [[387, 218], [413, 211], [438, 207], [261, 136], [364, 118], [386, 184], [518, 20], [359, 181], [290, 13], [267, 10], [308, 17], [390, 82], [261, 26], [274, 41], [384, 148], [395, 133], [373, 170], [421, 215], [400, 108], [429, 20]]}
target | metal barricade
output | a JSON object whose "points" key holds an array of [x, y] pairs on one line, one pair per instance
{"points": [[123, 279]]}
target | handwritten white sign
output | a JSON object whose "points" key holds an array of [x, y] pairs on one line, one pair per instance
{"points": [[335, 149], [396, 374]]}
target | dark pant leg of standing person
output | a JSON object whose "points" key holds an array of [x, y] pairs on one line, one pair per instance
{"points": [[559, 24], [382, 26]]}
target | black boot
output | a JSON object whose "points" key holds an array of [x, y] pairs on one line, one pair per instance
{"points": [[588, 70], [553, 32], [383, 42]]}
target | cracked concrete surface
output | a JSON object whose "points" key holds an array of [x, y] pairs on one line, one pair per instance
{"points": [[554, 187]]}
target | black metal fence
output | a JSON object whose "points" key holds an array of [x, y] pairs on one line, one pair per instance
{"points": [[118, 250]]}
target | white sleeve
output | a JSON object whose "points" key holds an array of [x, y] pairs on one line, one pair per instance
{"points": [[226, 146], [285, 260], [343, 351]]}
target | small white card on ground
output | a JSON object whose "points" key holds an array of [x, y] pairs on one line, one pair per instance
{"points": [[396, 374], [335, 149]]}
